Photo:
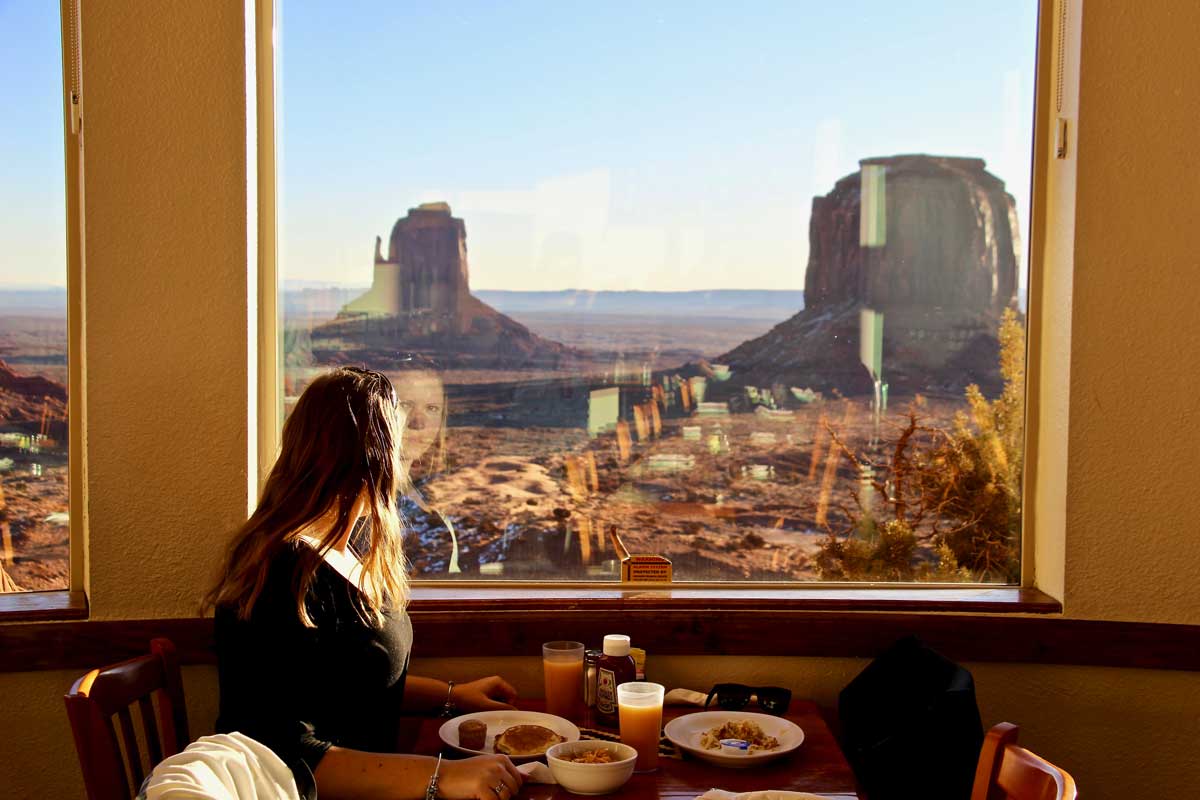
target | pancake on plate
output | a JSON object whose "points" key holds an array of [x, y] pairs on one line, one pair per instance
{"points": [[526, 740]]}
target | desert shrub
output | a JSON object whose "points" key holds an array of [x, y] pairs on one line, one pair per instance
{"points": [[753, 540], [974, 476], [887, 554], [957, 490]]}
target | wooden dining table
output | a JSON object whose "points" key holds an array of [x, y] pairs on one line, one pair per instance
{"points": [[817, 767]]}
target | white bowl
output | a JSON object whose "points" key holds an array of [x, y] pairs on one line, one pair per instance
{"points": [[591, 778]]}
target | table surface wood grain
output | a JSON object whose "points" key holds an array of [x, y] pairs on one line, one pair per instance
{"points": [[817, 767]]}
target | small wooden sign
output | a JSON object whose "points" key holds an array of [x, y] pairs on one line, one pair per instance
{"points": [[645, 569]]}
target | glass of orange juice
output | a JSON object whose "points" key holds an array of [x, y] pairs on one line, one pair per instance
{"points": [[640, 705], [562, 667]]}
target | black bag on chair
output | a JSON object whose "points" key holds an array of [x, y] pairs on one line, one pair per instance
{"points": [[910, 725]]}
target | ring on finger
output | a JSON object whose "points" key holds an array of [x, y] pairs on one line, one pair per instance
{"points": [[499, 789]]}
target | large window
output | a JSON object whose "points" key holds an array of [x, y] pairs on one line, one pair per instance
{"points": [[738, 287], [34, 529]]}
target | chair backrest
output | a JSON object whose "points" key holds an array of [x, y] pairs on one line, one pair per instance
{"points": [[112, 691], [1009, 772]]}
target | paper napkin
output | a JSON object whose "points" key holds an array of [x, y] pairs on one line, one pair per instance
{"points": [[536, 772], [684, 697], [770, 794]]}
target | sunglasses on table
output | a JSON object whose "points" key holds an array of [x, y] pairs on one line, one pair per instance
{"points": [[736, 696]]}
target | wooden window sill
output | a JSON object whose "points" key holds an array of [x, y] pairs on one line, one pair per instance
{"points": [[1005, 624], [467, 597], [42, 606]]}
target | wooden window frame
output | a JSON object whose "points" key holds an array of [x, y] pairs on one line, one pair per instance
{"points": [[70, 603], [1022, 598], [477, 597]]}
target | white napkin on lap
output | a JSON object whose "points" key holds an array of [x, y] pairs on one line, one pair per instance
{"points": [[228, 766], [769, 794], [536, 772]]}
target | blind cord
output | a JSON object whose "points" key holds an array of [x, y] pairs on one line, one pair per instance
{"points": [[75, 85]]}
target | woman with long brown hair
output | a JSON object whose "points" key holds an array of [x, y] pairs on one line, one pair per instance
{"points": [[311, 632]]}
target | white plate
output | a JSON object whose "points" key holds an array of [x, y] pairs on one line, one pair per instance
{"points": [[685, 732], [499, 721]]}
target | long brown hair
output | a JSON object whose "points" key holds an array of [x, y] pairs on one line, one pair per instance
{"points": [[341, 442]]}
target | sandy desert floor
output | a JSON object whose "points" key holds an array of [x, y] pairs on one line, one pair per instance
{"points": [[34, 526], [34, 545], [725, 497]]}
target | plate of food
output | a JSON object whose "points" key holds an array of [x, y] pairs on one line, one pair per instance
{"points": [[734, 738], [520, 735]]}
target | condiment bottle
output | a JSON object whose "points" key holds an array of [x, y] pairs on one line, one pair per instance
{"points": [[613, 668], [590, 659], [639, 663]]}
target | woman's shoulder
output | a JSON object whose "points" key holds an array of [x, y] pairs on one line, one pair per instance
{"points": [[278, 598], [287, 562]]}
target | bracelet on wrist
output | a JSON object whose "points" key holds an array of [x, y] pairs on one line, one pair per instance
{"points": [[432, 790], [448, 707]]}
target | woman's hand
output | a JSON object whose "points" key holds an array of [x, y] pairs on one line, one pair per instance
{"points": [[479, 778], [485, 694]]}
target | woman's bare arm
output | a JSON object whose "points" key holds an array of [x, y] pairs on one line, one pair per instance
{"points": [[486, 694], [347, 774]]}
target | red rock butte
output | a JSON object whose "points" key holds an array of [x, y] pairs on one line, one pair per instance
{"points": [[932, 243], [420, 301], [426, 268], [951, 239]]}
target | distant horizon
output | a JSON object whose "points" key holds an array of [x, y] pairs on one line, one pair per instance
{"points": [[1021, 295], [303, 284], [32, 287]]}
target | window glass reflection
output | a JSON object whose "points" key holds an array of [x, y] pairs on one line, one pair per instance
{"points": [[686, 282]]}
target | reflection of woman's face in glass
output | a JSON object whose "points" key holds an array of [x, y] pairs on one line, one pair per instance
{"points": [[422, 398]]}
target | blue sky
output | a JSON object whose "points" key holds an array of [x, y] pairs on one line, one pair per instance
{"points": [[588, 145], [33, 247], [628, 145]]}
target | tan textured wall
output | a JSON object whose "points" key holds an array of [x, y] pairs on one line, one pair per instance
{"points": [[166, 309], [165, 297], [1135, 385], [39, 760]]}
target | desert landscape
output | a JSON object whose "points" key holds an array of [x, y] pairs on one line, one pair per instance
{"points": [[866, 429], [34, 540], [743, 436], [726, 497]]}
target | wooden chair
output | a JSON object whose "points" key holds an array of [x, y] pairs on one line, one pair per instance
{"points": [[1009, 772], [102, 693]]}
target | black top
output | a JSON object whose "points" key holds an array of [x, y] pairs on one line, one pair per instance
{"points": [[302, 690]]}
